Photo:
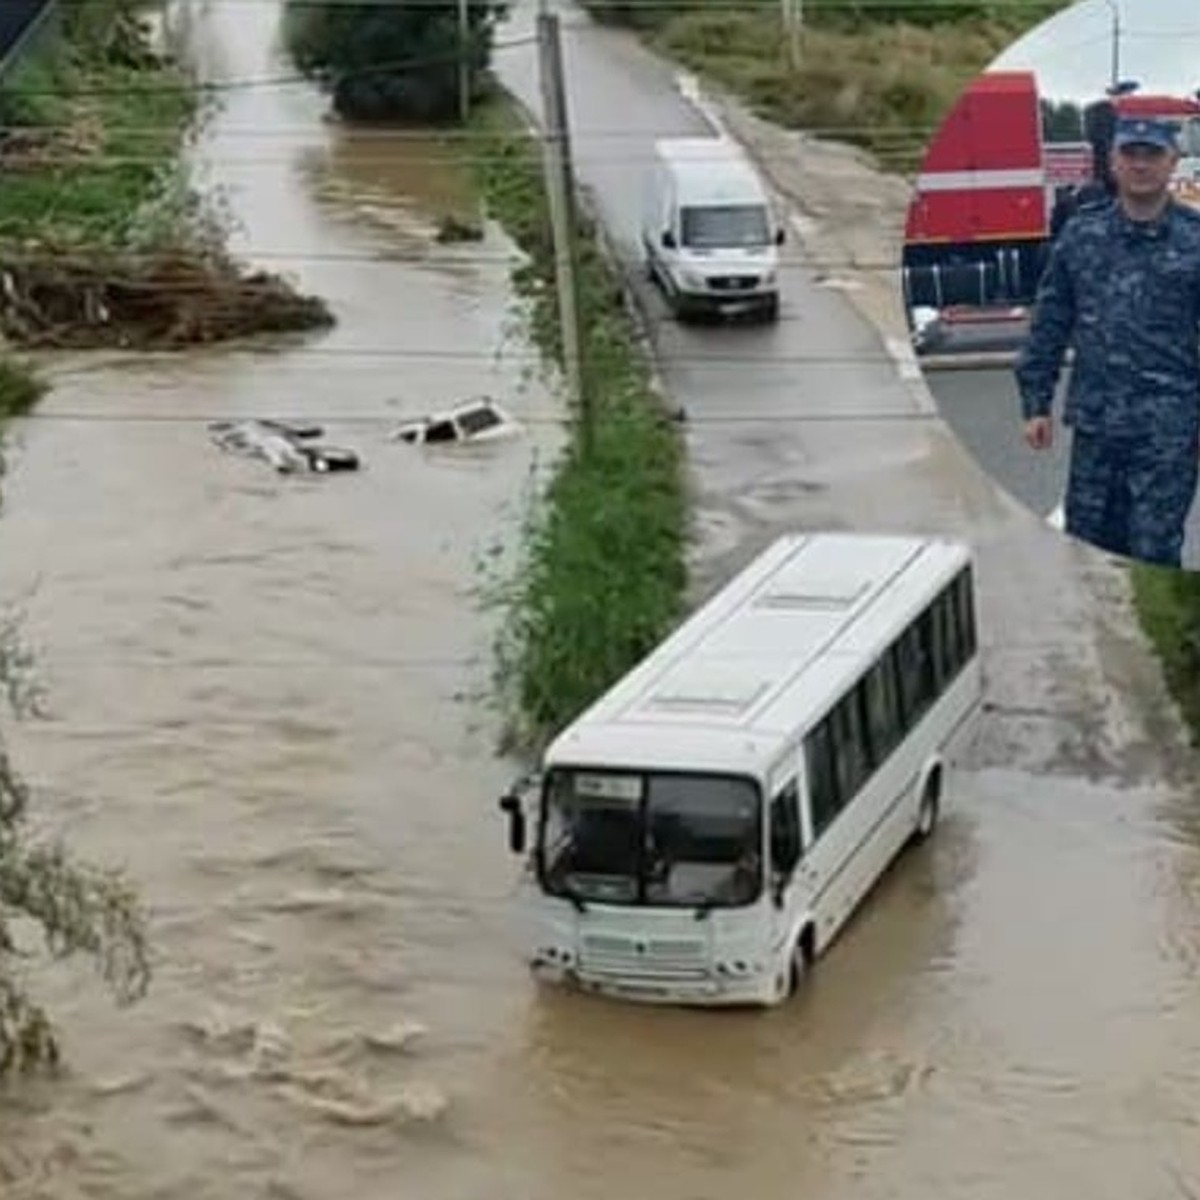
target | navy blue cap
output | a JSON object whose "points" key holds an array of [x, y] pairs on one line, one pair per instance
{"points": [[1144, 131]]}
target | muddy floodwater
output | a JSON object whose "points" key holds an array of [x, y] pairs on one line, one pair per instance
{"points": [[261, 695]]}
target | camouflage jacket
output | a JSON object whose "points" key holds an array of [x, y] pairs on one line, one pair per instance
{"points": [[1125, 296]]}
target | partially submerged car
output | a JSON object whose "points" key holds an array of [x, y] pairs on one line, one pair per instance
{"points": [[287, 446], [477, 420]]}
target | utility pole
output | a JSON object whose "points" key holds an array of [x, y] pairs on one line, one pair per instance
{"points": [[1116, 43], [791, 16], [560, 184], [464, 63]]}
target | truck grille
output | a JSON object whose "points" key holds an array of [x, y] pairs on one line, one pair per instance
{"points": [[733, 283], [646, 958]]}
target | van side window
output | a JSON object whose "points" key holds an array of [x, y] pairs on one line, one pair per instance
{"points": [[786, 843]]}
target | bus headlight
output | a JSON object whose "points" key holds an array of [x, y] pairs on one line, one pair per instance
{"points": [[738, 967]]}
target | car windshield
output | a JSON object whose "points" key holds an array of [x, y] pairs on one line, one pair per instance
{"points": [[679, 840], [725, 227]]}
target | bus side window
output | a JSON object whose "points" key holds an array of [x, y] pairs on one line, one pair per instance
{"points": [[850, 751], [786, 844], [823, 798], [884, 722], [966, 611]]}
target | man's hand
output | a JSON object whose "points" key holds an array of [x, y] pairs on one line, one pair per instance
{"points": [[1039, 433]]}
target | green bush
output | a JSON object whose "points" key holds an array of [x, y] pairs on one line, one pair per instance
{"points": [[356, 50], [20, 388], [77, 909]]}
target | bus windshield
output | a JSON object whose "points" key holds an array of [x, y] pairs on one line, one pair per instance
{"points": [[656, 838]]}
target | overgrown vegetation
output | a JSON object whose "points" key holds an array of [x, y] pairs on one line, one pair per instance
{"points": [[1168, 606], [879, 75], [75, 909], [20, 388], [602, 575], [95, 204], [396, 61]]}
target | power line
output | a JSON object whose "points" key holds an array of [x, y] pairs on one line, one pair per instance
{"points": [[532, 354], [105, 160], [445, 255], [42, 416], [366, 133], [234, 85], [337, 662]]}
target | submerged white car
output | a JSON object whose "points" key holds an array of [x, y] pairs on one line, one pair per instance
{"points": [[287, 446], [475, 421]]}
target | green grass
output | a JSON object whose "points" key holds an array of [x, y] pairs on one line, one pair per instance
{"points": [[882, 78], [20, 388], [1168, 606], [603, 573], [122, 146]]}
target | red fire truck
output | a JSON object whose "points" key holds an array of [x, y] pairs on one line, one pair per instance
{"points": [[990, 188]]}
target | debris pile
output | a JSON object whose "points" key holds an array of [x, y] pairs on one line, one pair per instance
{"points": [[166, 300]]}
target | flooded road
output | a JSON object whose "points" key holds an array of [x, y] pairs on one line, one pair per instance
{"points": [[260, 691]]}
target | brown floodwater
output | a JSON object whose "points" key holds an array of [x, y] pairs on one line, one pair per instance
{"points": [[263, 699]]}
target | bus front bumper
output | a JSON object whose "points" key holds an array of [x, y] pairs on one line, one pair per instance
{"points": [[707, 991]]}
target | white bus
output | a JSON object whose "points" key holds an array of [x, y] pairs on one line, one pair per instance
{"points": [[704, 830]]}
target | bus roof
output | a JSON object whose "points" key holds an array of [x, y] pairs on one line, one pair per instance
{"points": [[764, 659]]}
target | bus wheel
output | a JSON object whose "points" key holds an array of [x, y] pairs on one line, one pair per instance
{"points": [[930, 810], [802, 956]]}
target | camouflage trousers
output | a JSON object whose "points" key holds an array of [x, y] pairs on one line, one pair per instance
{"points": [[1132, 496]]}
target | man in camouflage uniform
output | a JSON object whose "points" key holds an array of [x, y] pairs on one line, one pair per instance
{"points": [[1123, 288]]}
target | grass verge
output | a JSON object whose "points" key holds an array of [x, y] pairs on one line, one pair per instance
{"points": [[102, 240], [881, 78], [1168, 606], [97, 151], [602, 573]]}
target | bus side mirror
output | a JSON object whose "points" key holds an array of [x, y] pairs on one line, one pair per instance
{"points": [[511, 804], [780, 236], [668, 240]]}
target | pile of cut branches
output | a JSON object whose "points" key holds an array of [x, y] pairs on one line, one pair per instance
{"points": [[171, 299]]}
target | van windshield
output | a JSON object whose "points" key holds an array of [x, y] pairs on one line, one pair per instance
{"points": [[658, 838], [725, 227]]}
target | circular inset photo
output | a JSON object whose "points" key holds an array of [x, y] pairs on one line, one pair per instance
{"points": [[1051, 274]]}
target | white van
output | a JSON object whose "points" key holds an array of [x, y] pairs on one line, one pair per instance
{"points": [[708, 230]]}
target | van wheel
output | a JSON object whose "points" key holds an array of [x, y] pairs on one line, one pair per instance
{"points": [[930, 810], [770, 311]]}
